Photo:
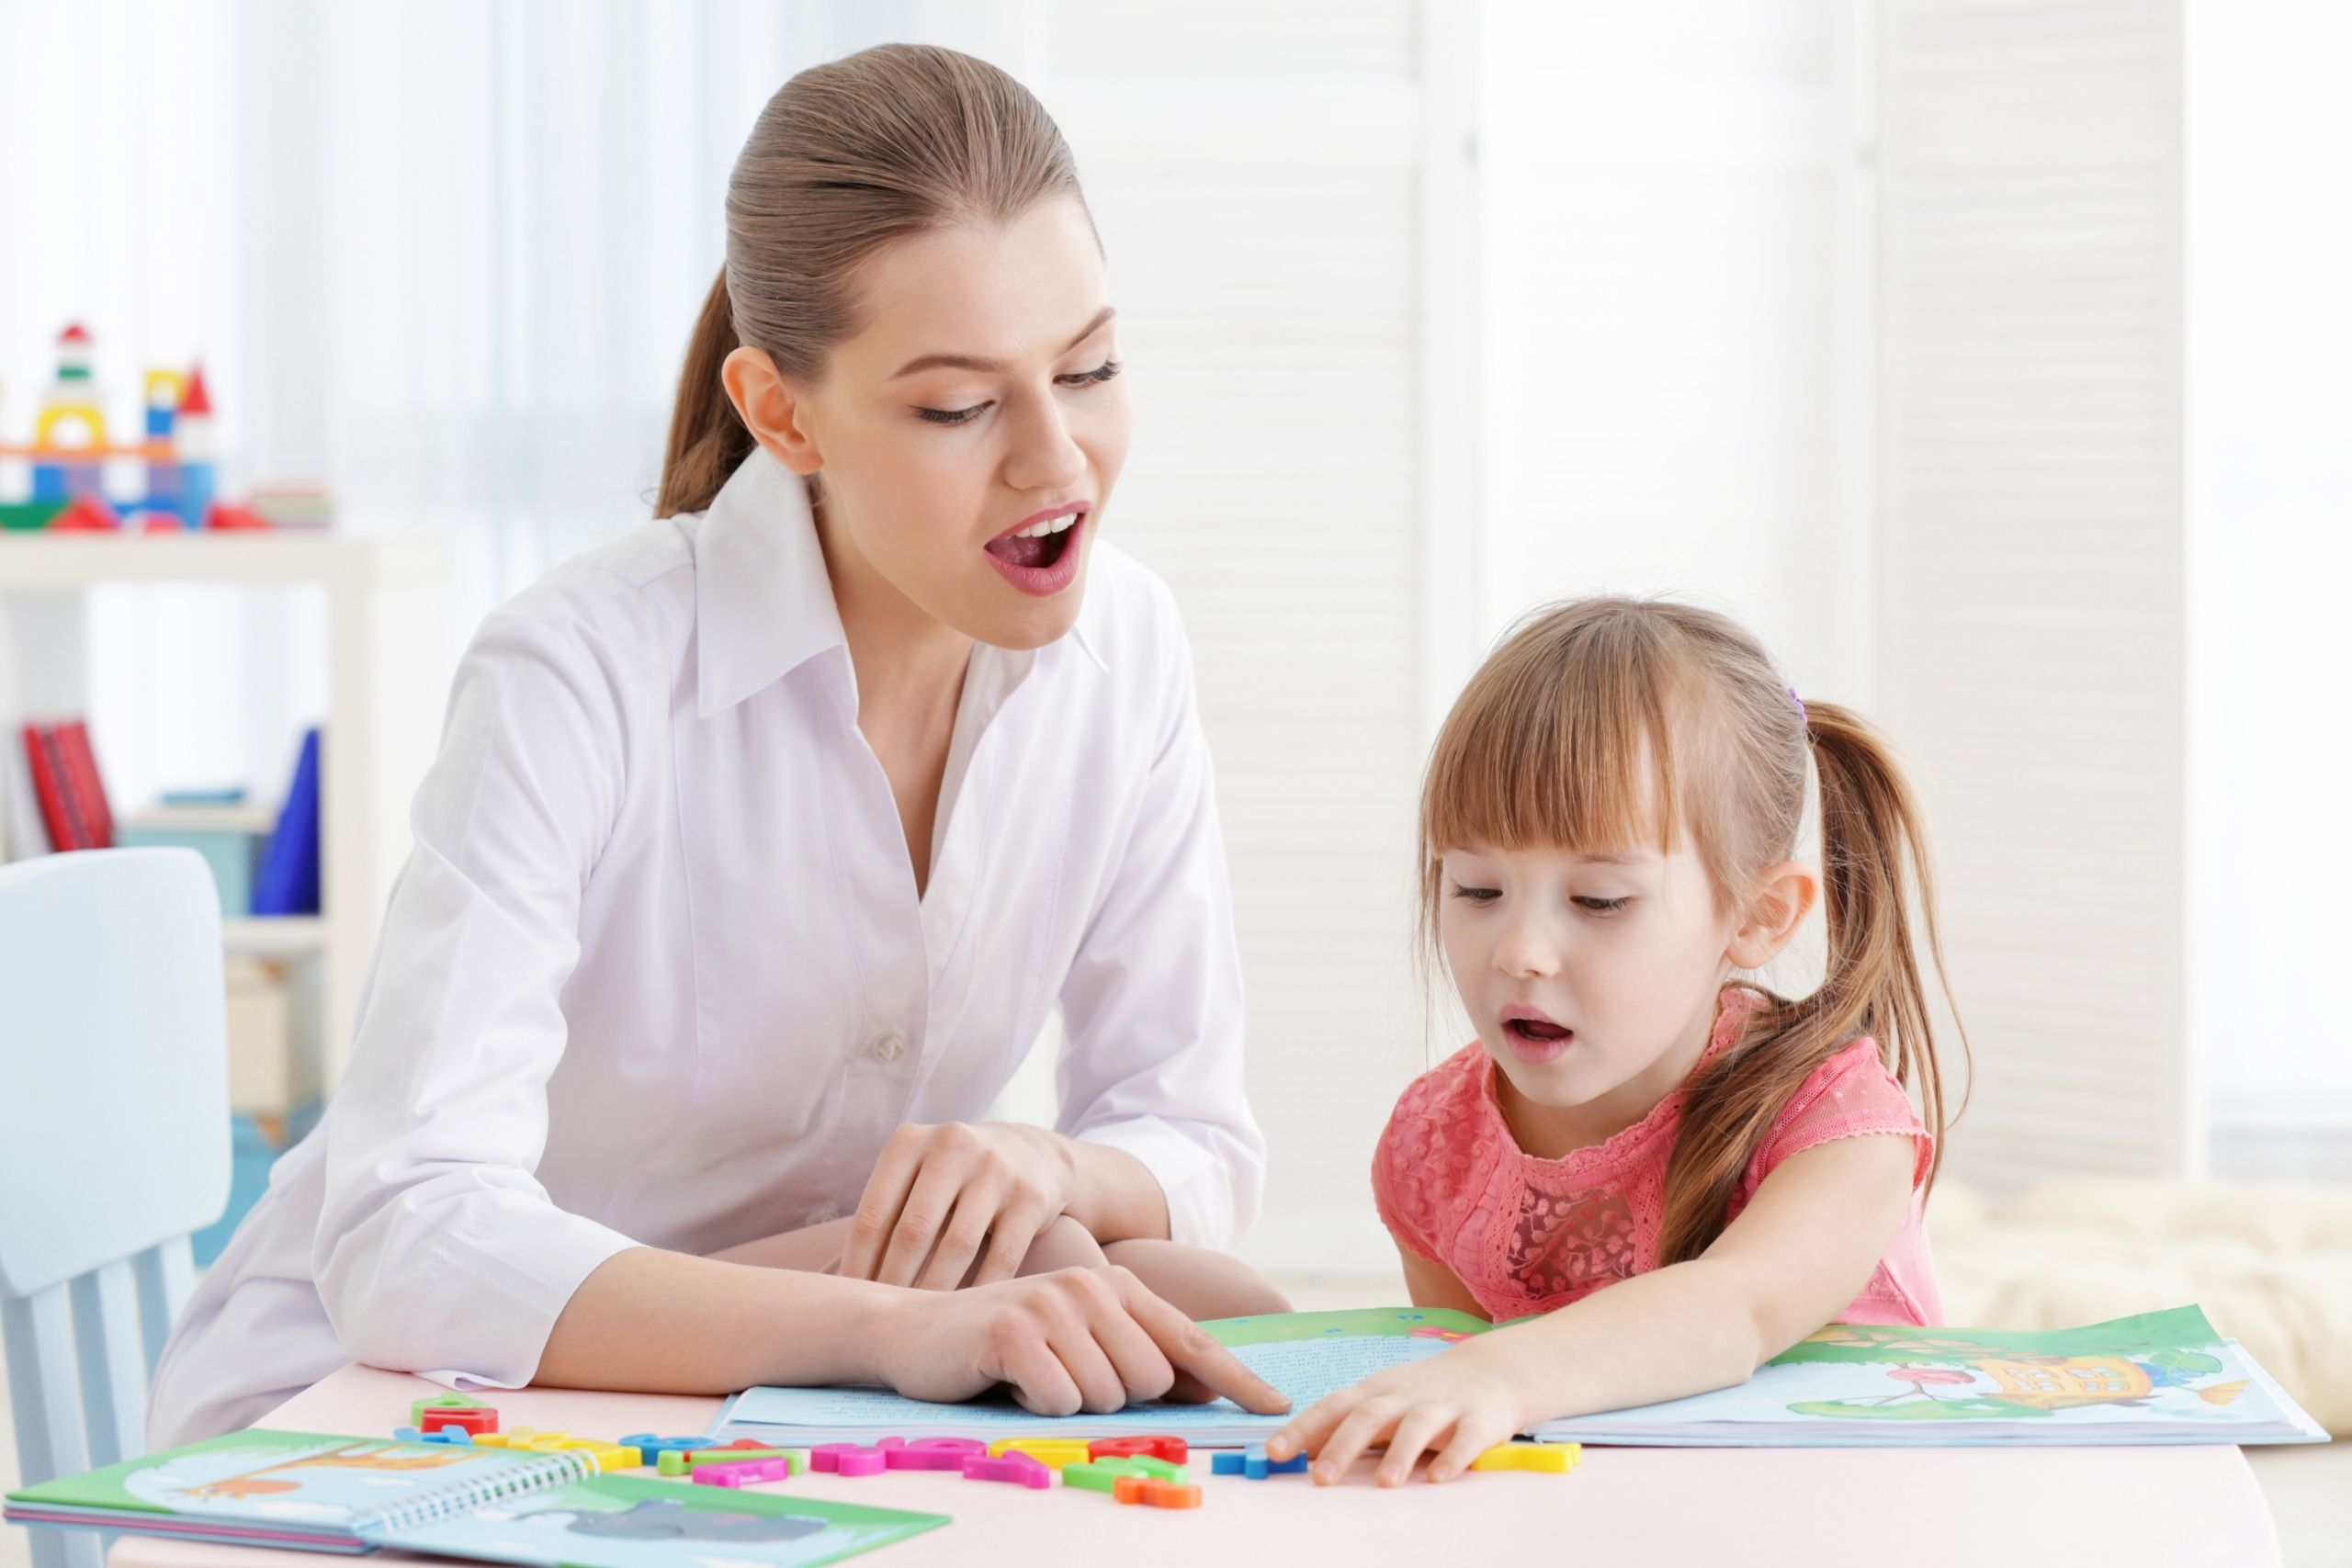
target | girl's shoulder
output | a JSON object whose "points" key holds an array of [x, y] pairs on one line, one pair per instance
{"points": [[1453, 1092], [1849, 1095], [1430, 1157]]}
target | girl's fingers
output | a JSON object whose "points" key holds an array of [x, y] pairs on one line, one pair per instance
{"points": [[1419, 1428], [1363, 1426], [1472, 1434], [879, 1205], [961, 1238], [1306, 1435], [928, 1203]]}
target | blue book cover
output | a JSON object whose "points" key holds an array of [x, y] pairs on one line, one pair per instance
{"points": [[289, 882]]}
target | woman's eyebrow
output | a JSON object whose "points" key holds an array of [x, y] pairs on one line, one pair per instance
{"points": [[974, 362]]}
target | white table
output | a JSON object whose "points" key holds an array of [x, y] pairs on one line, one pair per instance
{"points": [[1720, 1508]]}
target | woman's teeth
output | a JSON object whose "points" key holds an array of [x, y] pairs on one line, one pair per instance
{"points": [[1051, 525]]}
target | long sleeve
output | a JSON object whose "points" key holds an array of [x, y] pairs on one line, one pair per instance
{"points": [[438, 1249], [1152, 1001]]}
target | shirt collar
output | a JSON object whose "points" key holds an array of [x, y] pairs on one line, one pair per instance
{"points": [[763, 603]]}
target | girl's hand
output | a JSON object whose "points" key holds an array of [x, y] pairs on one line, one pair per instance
{"points": [[1455, 1407], [939, 1195], [1078, 1339]]}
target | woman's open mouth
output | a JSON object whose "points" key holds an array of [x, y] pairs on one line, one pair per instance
{"points": [[1040, 554]]}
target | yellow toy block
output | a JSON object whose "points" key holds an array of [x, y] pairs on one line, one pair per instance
{"points": [[1552, 1459], [1051, 1452]]}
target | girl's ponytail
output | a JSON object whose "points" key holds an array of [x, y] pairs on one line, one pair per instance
{"points": [[1875, 874], [707, 438]]}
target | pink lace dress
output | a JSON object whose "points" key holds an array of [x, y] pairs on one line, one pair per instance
{"points": [[1528, 1235]]}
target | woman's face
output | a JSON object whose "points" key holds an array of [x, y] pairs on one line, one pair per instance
{"points": [[966, 440]]}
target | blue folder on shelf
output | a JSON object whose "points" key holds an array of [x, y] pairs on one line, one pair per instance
{"points": [[289, 880]]}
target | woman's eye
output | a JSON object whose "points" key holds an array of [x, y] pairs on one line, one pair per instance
{"points": [[952, 416], [1476, 894], [1094, 377], [1601, 906]]}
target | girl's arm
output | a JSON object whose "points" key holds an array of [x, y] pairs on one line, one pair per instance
{"points": [[1797, 1254], [1434, 1285]]}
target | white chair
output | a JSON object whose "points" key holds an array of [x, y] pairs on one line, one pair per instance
{"points": [[114, 1142]]}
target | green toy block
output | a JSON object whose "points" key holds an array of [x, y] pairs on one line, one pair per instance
{"points": [[28, 516]]}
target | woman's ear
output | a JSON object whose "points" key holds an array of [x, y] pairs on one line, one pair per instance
{"points": [[1782, 896], [772, 410]]}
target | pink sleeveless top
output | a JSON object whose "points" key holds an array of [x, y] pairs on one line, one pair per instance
{"points": [[1528, 1235]]}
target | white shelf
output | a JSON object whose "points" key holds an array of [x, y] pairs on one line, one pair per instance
{"points": [[47, 561], [389, 658], [275, 936]]}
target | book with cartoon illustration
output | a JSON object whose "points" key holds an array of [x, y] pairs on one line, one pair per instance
{"points": [[2162, 1377], [354, 1495]]}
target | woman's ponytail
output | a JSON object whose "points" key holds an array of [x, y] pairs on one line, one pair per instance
{"points": [[707, 438]]}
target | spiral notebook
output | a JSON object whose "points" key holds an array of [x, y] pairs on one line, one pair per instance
{"points": [[354, 1495]]}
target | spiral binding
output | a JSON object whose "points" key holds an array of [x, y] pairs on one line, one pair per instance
{"points": [[549, 1469]]}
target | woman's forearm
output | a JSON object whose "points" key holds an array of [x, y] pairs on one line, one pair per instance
{"points": [[649, 1321], [1114, 1194], [1676, 1331]]}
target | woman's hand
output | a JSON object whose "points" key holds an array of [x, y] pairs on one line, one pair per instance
{"points": [[1454, 1405], [1078, 1339], [940, 1195]]}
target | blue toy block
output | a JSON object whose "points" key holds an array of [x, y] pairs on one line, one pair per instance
{"points": [[1251, 1462], [407, 1434], [1226, 1464], [456, 1436], [653, 1448], [1294, 1465]]}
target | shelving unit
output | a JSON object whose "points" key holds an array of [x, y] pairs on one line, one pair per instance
{"points": [[389, 660]]}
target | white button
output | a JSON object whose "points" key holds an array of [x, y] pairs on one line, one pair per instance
{"points": [[890, 1047]]}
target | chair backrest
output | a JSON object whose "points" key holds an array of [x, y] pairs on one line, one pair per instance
{"points": [[114, 1142]]}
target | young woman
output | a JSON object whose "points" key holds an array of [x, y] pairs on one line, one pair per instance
{"points": [[763, 841]]}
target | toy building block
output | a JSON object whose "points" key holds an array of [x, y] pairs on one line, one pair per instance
{"points": [[407, 1434], [649, 1445], [798, 1458], [930, 1453], [1051, 1452], [417, 1407], [449, 1437], [744, 1472], [1156, 1494], [1552, 1459], [848, 1459], [1018, 1469], [1099, 1475], [476, 1420], [1171, 1448]]}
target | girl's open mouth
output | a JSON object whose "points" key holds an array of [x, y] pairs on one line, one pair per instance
{"points": [[1042, 558], [1536, 1040]]}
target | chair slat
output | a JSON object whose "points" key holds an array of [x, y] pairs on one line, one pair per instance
{"points": [[165, 1273], [113, 1357], [46, 1393]]}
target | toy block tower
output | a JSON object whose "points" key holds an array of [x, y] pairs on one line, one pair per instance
{"points": [[71, 407], [192, 441]]}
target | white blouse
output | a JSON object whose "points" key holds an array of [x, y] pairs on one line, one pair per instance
{"points": [[656, 971]]}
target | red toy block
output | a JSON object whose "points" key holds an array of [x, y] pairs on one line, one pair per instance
{"points": [[1172, 1449], [476, 1420]]}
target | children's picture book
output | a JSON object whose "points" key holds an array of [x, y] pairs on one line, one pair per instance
{"points": [[355, 1494], [2162, 1377]]}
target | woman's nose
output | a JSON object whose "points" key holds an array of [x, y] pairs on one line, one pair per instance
{"points": [[1044, 455]]}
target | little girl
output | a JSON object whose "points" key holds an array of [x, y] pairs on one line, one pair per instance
{"points": [[1607, 830]]}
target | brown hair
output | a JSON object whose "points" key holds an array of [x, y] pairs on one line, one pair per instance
{"points": [[1600, 723], [847, 157]]}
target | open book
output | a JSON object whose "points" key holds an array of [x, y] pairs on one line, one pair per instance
{"points": [[297, 1489], [2164, 1377]]}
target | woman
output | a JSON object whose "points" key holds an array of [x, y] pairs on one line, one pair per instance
{"points": [[761, 844]]}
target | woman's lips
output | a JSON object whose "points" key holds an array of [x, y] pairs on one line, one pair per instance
{"points": [[1040, 566]]}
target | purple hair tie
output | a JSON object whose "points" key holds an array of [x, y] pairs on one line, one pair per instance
{"points": [[1803, 717]]}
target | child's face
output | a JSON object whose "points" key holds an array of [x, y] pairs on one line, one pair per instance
{"points": [[1592, 978]]}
